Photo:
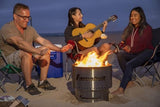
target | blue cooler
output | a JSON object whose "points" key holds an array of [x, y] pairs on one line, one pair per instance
{"points": [[56, 64]]}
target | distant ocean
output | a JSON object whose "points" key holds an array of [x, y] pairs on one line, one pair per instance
{"points": [[52, 34], [62, 34]]}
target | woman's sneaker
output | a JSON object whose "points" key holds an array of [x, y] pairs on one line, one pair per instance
{"points": [[32, 90], [46, 85]]}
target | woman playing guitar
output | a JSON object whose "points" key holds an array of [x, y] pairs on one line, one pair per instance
{"points": [[74, 22]]}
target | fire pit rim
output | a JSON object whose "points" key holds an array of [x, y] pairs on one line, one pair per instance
{"points": [[91, 66]]}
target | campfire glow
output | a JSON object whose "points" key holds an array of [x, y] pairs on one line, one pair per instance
{"points": [[93, 60]]}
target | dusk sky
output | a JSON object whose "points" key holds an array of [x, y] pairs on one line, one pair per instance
{"points": [[50, 16]]}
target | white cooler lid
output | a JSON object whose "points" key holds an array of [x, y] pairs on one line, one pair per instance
{"points": [[58, 45]]}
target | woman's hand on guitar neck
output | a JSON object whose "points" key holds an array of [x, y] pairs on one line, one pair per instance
{"points": [[105, 23], [87, 35]]}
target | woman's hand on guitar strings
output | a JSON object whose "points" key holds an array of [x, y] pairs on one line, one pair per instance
{"points": [[87, 35]]}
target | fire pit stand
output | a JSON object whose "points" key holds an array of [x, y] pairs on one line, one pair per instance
{"points": [[92, 83]]}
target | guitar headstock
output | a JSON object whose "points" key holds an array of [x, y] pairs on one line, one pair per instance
{"points": [[112, 18]]}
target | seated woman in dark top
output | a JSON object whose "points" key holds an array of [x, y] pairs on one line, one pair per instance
{"points": [[75, 21], [137, 46]]}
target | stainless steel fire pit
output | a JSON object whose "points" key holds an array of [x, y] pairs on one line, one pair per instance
{"points": [[92, 83]]}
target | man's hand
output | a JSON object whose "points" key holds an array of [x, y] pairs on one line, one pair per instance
{"points": [[43, 51], [66, 48]]}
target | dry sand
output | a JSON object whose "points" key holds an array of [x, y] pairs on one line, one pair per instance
{"points": [[63, 96], [137, 96]]}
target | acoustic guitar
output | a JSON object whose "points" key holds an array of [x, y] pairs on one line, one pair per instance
{"points": [[91, 28]]}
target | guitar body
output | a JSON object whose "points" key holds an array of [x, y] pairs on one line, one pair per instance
{"points": [[90, 42], [87, 43]]}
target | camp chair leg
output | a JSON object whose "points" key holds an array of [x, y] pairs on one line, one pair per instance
{"points": [[2, 85], [153, 79], [67, 74], [154, 75], [20, 85], [141, 81], [156, 71], [21, 81]]}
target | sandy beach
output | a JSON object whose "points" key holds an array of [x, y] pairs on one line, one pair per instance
{"points": [[136, 96]]}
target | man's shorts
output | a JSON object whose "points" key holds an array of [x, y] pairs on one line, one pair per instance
{"points": [[14, 59]]}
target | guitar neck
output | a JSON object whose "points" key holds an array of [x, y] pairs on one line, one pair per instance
{"points": [[100, 25]]}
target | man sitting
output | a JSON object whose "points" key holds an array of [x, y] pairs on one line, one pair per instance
{"points": [[16, 40]]}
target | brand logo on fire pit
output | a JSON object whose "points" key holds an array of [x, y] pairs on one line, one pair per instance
{"points": [[90, 78]]}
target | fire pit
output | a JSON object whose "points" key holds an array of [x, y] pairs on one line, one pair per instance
{"points": [[92, 83], [92, 77]]}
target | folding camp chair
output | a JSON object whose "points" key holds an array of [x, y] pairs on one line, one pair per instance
{"points": [[73, 59], [155, 58], [9, 69], [67, 72]]}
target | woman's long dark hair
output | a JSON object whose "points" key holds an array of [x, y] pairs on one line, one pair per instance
{"points": [[130, 27], [72, 11]]}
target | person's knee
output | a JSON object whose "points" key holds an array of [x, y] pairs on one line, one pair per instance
{"points": [[25, 55], [105, 47], [44, 60], [94, 49], [45, 56], [130, 66]]}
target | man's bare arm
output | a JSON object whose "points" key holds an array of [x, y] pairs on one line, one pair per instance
{"points": [[48, 44], [23, 45]]}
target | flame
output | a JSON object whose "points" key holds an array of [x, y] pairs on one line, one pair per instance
{"points": [[92, 59]]}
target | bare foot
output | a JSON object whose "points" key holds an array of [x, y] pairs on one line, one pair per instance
{"points": [[130, 84], [119, 91]]}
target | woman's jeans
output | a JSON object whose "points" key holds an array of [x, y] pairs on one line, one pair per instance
{"points": [[128, 62]]}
